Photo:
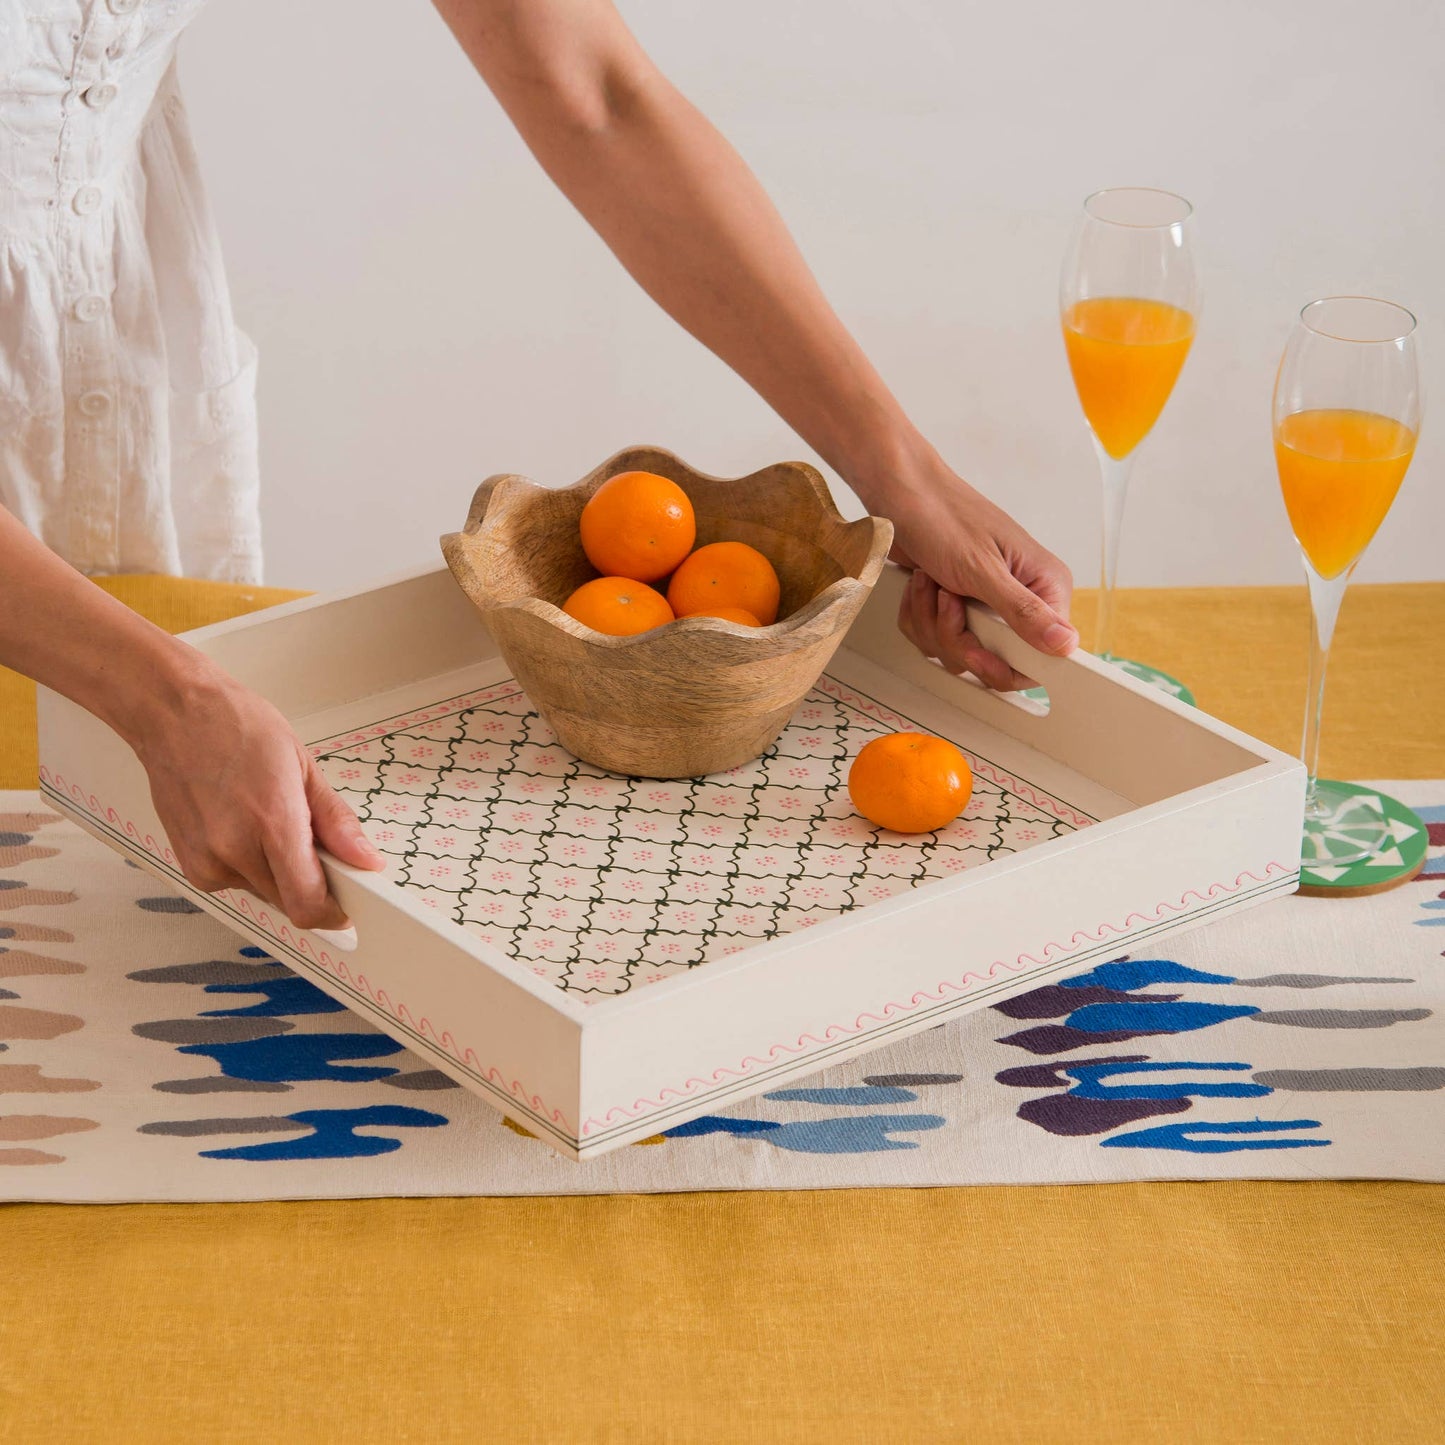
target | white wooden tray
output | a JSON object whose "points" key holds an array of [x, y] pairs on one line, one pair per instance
{"points": [[604, 958]]}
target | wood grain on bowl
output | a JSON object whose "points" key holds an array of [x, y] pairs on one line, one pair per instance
{"points": [[696, 696]]}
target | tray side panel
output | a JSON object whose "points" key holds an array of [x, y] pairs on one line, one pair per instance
{"points": [[318, 653], [1118, 732], [514, 1042], [696, 1045]]}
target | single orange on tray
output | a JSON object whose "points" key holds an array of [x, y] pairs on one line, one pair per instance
{"points": [[726, 574], [729, 614], [618, 606], [910, 782], [637, 524]]}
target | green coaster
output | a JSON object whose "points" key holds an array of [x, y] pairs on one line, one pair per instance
{"points": [[1155, 678], [1399, 857]]}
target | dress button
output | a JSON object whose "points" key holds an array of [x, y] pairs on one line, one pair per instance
{"points": [[89, 308], [100, 96], [95, 403], [87, 200]]}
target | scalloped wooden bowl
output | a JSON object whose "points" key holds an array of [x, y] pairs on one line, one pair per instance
{"points": [[699, 695]]}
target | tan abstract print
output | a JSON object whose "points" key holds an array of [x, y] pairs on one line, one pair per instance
{"points": [[21, 1134]]}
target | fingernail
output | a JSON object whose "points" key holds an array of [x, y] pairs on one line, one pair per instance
{"points": [[1058, 636], [339, 938]]}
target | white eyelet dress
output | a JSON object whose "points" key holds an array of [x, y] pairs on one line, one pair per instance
{"points": [[127, 396]]}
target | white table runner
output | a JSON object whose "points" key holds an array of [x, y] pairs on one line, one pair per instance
{"points": [[147, 1053]]}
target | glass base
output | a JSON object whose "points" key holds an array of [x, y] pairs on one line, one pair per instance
{"points": [[1344, 824]]}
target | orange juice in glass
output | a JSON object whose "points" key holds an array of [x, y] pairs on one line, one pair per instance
{"points": [[1346, 414], [1125, 353], [1128, 301]]}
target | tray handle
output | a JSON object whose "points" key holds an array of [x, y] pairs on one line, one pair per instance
{"points": [[999, 637]]}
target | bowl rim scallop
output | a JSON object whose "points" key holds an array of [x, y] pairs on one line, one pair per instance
{"points": [[834, 595]]}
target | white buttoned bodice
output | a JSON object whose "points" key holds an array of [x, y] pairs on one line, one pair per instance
{"points": [[127, 396]]}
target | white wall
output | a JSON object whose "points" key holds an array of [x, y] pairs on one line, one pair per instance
{"points": [[429, 310]]}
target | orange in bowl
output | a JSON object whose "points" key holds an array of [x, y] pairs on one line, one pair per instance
{"points": [[639, 525], [910, 782], [726, 574], [618, 606]]}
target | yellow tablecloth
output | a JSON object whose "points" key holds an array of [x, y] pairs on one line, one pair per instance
{"points": [[1179, 1312]]}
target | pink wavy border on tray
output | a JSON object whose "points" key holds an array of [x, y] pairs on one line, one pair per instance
{"points": [[430, 713], [830, 687], [890, 1010]]}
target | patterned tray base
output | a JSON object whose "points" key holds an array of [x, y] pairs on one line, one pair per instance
{"points": [[602, 884]]}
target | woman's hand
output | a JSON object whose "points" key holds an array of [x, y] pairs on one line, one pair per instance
{"points": [[962, 546], [241, 802]]}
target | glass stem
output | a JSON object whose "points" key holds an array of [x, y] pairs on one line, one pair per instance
{"points": [[1326, 594], [1115, 472]]}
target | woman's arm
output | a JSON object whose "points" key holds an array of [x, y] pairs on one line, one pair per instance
{"points": [[687, 218], [242, 804]]}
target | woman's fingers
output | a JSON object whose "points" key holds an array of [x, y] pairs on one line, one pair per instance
{"points": [[291, 854], [1026, 611], [336, 826], [935, 621]]}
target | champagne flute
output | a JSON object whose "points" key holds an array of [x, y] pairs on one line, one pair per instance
{"points": [[1128, 298], [1346, 414]]}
